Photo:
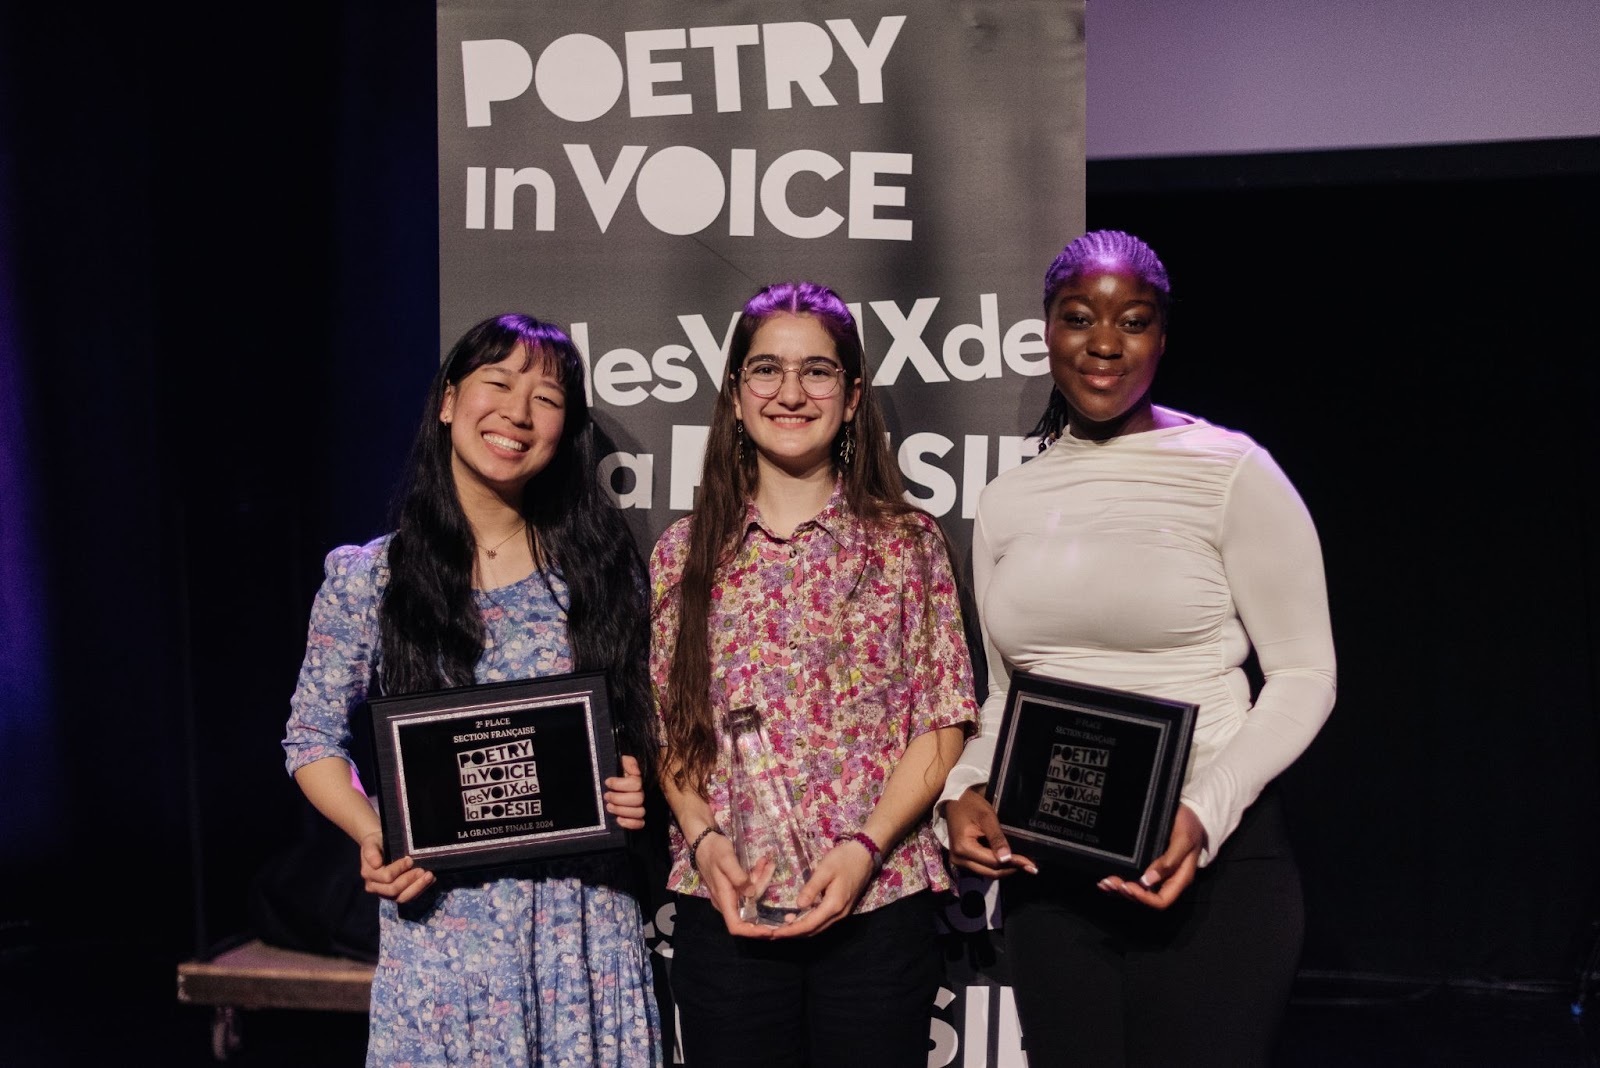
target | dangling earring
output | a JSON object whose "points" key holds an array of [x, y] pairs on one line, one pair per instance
{"points": [[847, 445], [738, 430]]}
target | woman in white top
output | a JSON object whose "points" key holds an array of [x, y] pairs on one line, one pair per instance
{"points": [[1148, 550]]}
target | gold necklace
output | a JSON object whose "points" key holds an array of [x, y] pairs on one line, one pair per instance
{"points": [[494, 552]]}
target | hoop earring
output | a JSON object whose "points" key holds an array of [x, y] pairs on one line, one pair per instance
{"points": [[847, 445]]}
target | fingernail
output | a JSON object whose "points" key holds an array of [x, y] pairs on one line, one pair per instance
{"points": [[1030, 869], [1147, 880], [1005, 858], [1104, 884]]}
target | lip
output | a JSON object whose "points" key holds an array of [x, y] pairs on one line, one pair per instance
{"points": [[510, 452], [790, 422], [1100, 379]]}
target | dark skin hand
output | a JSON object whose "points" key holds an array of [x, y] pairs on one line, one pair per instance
{"points": [[976, 841], [978, 845], [1170, 874]]}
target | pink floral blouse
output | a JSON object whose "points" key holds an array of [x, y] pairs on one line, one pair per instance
{"points": [[848, 639]]}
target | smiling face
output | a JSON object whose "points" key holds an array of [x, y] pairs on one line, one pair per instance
{"points": [[793, 432], [1105, 339], [505, 423]]}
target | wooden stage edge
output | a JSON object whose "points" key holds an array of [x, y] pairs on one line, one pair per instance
{"points": [[258, 976]]}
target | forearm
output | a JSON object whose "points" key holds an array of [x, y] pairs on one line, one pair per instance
{"points": [[330, 785], [914, 785], [972, 769], [1273, 562], [690, 810]]}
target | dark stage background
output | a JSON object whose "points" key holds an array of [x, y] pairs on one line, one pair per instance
{"points": [[218, 311]]}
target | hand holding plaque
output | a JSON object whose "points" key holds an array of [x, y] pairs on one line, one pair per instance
{"points": [[1089, 776], [482, 776]]}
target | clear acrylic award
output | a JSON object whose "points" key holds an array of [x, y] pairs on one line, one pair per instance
{"points": [[766, 834]]}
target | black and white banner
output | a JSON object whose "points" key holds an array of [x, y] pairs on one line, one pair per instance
{"points": [[635, 171]]}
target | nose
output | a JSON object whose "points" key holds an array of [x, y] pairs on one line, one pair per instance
{"points": [[1105, 342], [519, 408], [789, 392]]}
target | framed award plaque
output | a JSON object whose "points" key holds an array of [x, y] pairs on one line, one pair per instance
{"points": [[1089, 776], [483, 776]]}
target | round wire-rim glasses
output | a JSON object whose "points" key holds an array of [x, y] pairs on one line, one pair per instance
{"points": [[819, 378]]}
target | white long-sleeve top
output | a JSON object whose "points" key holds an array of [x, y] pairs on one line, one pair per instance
{"points": [[1152, 562]]}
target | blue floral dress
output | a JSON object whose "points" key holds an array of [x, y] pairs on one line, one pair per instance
{"points": [[544, 964]]}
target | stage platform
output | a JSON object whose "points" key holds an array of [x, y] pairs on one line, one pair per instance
{"points": [[258, 976]]}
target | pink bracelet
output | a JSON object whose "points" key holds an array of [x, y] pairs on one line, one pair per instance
{"points": [[866, 841]]}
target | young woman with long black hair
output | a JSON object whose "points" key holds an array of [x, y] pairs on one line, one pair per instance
{"points": [[506, 563], [804, 585]]}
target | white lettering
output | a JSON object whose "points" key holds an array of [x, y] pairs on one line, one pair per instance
{"points": [[742, 193], [579, 77], [942, 488], [667, 362], [976, 1027], [944, 1038], [688, 461], [1017, 347], [986, 332], [641, 466], [580, 339], [506, 184], [974, 472], [866, 195], [492, 71], [616, 375], [868, 58], [908, 345], [713, 357], [477, 196], [680, 190], [644, 73], [796, 53], [775, 189], [603, 192], [725, 42]]}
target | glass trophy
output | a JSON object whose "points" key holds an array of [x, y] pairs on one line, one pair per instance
{"points": [[766, 834]]}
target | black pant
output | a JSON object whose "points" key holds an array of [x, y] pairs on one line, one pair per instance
{"points": [[859, 993], [1102, 981]]}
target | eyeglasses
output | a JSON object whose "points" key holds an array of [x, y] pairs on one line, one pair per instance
{"points": [[819, 378]]}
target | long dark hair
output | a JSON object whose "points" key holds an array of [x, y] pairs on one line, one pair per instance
{"points": [[1097, 248], [431, 630], [872, 490]]}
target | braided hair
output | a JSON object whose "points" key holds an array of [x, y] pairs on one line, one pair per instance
{"points": [[1097, 248]]}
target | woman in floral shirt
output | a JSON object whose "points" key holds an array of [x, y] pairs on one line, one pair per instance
{"points": [[805, 587]]}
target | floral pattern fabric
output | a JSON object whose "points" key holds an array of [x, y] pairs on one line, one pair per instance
{"points": [[542, 964], [847, 638]]}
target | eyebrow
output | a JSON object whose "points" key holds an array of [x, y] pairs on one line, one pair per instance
{"points": [[1064, 297], [829, 360]]}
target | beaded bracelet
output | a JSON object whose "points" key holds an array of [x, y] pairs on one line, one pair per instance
{"points": [[866, 841], [694, 846]]}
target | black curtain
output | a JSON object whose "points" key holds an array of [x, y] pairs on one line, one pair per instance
{"points": [[222, 246]]}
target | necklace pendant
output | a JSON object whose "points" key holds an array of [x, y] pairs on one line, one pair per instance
{"points": [[491, 553]]}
